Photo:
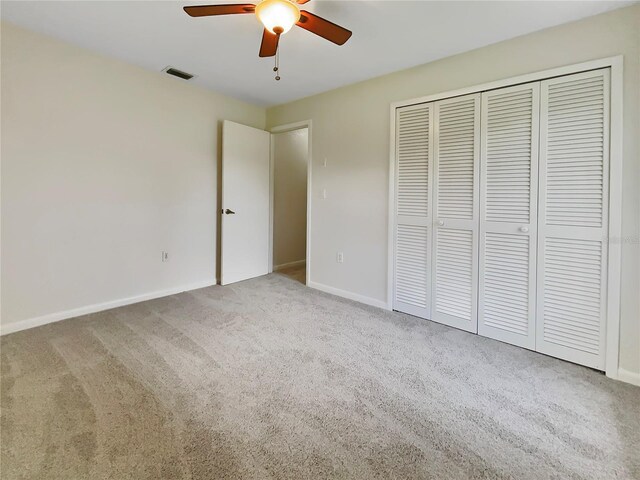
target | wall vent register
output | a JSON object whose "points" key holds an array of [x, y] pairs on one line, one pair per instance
{"points": [[178, 73]]}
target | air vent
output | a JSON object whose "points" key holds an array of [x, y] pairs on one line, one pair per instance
{"points": [[178, 73]]}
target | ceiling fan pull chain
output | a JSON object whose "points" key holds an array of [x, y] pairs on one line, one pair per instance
{"points": [[277, 66]]}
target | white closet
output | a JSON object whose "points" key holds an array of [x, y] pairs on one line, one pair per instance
{"points": [[572, 224], [508, 220], [501, 205], [455, 235], [414, 151]]}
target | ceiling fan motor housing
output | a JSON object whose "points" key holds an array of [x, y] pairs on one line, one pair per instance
{"points": [[278, 16]]}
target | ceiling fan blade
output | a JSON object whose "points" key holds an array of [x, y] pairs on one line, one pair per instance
{"points": [[208, 10], [269, 45], [324, 28]]}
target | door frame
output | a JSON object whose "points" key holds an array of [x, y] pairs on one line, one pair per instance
{"points": [[289, 127], [612, 344]]}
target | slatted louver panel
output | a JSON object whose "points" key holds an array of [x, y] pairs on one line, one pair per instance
{"points": [[454, 262], [414, 147], [455, 245], [412, 264], [572, 258], [508, 135], [413, 161], [457, 153], [572, 296], [506, 296], [574, 152], [508, 214]]}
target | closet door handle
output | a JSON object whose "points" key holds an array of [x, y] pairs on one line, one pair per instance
{"points": [[524, 229], [441, 223]]}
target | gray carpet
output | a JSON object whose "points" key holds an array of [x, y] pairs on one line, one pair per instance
{"points": [[269, 379]]}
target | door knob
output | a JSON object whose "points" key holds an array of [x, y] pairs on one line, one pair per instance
{"points": [[229, 212], [524, 229], [441, 222]]}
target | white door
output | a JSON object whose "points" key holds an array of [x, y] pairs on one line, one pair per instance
{"points": [[508, 214], [245, 202], [412, 252], [455, 240], [572, 228]]}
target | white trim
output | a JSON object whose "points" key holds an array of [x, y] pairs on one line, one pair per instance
{"points": [[615, 183], [349, 295], [282, 266], [272, 169], [288, 128], [628, 376], [508, 82], [615, 220], [98, 307], [391, 209]]}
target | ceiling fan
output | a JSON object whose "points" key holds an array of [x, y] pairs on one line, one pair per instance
{"points": [[278, 17]]}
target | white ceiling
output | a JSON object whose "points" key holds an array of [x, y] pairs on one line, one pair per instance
{"points": [[223, 51]]}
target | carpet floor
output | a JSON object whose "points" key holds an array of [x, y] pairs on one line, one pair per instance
{"points": [[270, 379]]}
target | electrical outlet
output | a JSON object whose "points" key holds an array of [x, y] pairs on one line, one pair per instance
{"points": [[165, 256], [340, 257]]}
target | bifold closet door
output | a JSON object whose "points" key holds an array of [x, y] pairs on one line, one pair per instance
{"points": [[508, 214], [572, 253], [412, 239], [455, 238]]}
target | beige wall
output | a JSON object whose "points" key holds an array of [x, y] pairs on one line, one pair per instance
{"points": [[351, 130], [290, 152], [104, 166]]}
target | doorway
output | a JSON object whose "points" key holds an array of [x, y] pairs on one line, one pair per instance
{"points": [[290, 149]]}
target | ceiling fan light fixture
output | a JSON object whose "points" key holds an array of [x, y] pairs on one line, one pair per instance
{"points": [[278, 16]]}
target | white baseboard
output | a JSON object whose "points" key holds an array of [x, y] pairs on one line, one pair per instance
{"points": [[350, 295], [629, 376], [297, 263], [98, 307]]}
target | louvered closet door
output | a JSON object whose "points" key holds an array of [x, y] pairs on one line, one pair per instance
{"points": [[455, 240], [414, 151], [508, 214], [572, 256]]}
